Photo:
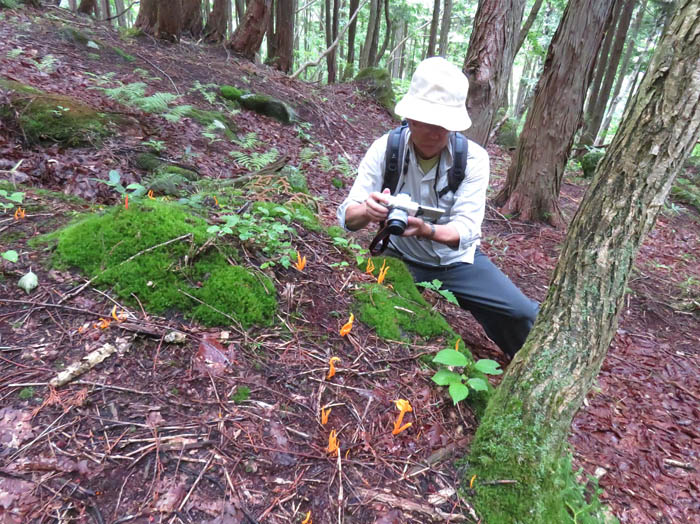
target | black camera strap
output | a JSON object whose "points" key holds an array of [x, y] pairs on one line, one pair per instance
{"points": [[380, 241]]}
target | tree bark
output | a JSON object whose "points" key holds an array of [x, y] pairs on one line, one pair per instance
{"points": [[489, 61], [240, 10], [88, 7], [352, 30], [148, 16], [372, 22], [527, 25], [524, 430], [387, 34], [120, 13], [247, 38], [284, 35], [432, 41], [631, 45], [73, 5], [596, 112], [105, 10], [534, 177], [217, 22], [271, 33], [169, 20], [445, 27], [192, 23]]}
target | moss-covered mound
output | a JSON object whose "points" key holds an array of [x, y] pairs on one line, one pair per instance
{"points": [[135, 252], [589, 162], [376, 81], [166, 178], [396, 308], [263, 104], [43, 117], [507, 135]]}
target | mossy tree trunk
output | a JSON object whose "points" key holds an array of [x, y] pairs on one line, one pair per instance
{"points": [[525, 427], [217, 22], [248, 36], [534, 178], [489, 61]]}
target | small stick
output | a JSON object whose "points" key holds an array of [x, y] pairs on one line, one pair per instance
{"points": [[201, 473]]}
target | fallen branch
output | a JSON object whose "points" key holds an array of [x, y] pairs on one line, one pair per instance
{"points": [[432, 513], [89, 361]]}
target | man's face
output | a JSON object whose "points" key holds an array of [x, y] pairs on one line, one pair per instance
{"points": [[428, 139]]}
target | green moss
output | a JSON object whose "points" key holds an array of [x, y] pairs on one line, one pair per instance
{"points": [[269, 106], [123, 54], [231, 93], [250, 298], [687, 192], [508, 134], [130, 32], [589, 162], [117, 250], [207, 118], [397, 308], [337, 183], [73, 35], [9, 4], [376, 81], [43, 117], [335, 232], [545, 491], [148, 161]]}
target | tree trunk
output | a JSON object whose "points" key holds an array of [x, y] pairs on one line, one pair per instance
{"points": [[631, 46], [524, 430], [596, 112], [271, 33], [248, 37], [105, 10], [240, 10], [397, 52], [432, 41], [284, 35], [527, 25], [73, 5], [88, 7], [489, 61], [534, 177], [371, 27], [120, 13], [217, 22], [192, 23], [387, 34], [445, 28], [169, 20], [374, 43], [352, 30], [148, 16], [602, 58]]}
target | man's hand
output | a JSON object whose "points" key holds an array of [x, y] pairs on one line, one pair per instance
{"points": [[417, 227], [358, 216]]}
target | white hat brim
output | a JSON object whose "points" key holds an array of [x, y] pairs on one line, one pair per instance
{"points": [[452, 118]]}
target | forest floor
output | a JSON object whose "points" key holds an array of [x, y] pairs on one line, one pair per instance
{"points": [[156, 434]]}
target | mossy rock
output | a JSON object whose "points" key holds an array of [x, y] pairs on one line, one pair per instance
{"points": [[116, 249], [122, 54], [589, 162], [9, 4], [684, 190], [74, 35], [507, 135], [43, 117], [217, 119], [376, 81], [130, 32], [166, 179], [397, 311], [231, 93], [269, 106]]}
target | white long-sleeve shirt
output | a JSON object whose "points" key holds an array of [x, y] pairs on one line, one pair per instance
{"points": [[464, 209]]}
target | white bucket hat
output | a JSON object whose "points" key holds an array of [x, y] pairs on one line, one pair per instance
{"points": [[437, 95]]}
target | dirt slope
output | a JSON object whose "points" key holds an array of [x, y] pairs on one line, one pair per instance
{"points": [[152, 433]]}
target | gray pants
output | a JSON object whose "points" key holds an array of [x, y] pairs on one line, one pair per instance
{"points": [[482, 289]]}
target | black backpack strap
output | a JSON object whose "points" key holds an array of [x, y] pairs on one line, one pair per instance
{"points": [[456, 173], [393, 157]]}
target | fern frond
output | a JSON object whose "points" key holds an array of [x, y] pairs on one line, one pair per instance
{"points": [[174, 114], [156, 103], [254, 161], [249, 141], [306, 155]]}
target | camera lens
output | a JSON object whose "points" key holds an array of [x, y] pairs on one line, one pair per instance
{"points": [[397, 221]]}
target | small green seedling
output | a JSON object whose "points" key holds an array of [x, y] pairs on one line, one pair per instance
{"points": [[240, 395], [459, 384], [435, 285], [133, 190], [13, 199], [10, 255]]}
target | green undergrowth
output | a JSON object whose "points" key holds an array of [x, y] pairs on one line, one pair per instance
{"points": [[133, 252], [687, 192], [44, 117], [543, 493], [396, 308]]}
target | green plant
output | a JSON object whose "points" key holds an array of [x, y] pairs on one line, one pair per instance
{"points": [[10, 255], [249, 141], [337, 182], [157, 145], [254, 161], [303, 131], [205, 91], [133, 190], [435, 285], [460, 383], [26, 393], [14, 53], [12, 199], [354, 248], [134, 94], [240, 394]]}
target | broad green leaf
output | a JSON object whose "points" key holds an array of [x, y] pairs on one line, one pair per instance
{"points": [[212, 229], [449, 296], [114, 176], [477, 384], [28, 282], [16, 197], [458, 392], [11, 255], [490, 367], [450, 357], [445, 377]]}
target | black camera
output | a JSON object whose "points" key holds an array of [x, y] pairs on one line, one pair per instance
{"points": [[401, 207]]}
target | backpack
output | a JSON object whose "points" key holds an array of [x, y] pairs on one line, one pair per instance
{"points": [[395, 152]]}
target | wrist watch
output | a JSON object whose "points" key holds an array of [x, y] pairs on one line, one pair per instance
{"points": [[432, 231]]}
